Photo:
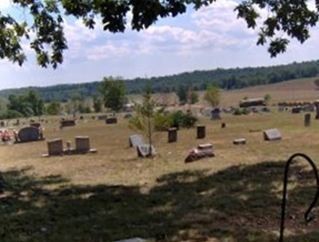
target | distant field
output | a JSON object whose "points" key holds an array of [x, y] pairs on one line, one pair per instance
{"points": [[114, 195], [295, 90]]}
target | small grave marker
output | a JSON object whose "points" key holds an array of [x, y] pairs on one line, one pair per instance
{"points": [[240, 141], [201, 132], [272, 134], [112, 120], [172, 135], [307, 120]]}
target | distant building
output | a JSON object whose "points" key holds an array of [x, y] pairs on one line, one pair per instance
{"points": [[252, 102]]}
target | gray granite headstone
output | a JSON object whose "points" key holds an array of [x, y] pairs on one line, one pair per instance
{"points": [[272, 134], [136, 140]]}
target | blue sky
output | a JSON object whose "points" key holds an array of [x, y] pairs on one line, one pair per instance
{"points": [[198, 40]]}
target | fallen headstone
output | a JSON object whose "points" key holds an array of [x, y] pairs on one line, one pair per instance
{"points": [[240, 141], [272, 134], [136, 140], [202, 151], [144, 150]]}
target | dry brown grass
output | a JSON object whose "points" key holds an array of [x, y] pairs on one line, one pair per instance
{"points": [[113, 194]]}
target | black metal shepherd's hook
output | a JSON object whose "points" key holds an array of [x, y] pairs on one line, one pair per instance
{"points": [[308, 217]]}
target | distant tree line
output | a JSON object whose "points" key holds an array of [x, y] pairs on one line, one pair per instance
{"points": [[227, 79]]}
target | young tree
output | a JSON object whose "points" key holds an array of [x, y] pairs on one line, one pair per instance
{"points": [[212, 96], [44, 29], [54, 108], [113, 92], [97, 104], [182, 94], [267, 98], [144, 118]]}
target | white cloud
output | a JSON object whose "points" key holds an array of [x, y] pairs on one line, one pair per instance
{"points": [[4, 4]]}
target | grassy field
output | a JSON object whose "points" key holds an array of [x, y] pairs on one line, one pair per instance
{"points": [[114, 195]]}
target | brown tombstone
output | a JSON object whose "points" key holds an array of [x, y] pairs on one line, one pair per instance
{"points": [[55, 147], [172, 135], [112, 120], [307, 120], [223, 125], [316, 103], [82, 144], [67, 123], [201, 132]]}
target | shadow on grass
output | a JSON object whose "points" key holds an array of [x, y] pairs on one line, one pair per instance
{"points": [[240, 203]]}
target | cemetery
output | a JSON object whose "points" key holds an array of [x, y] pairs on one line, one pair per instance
{"points": [[236, 170]]}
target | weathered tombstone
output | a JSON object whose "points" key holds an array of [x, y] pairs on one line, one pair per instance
{"points": [[223, 125], [307, 120], [82, 144], [272, 134], [316, 103], [172, 135], [29, 134], [215, 114], [144, 150], [296, 110], [67, 123], [2, 124], [112, 120], [135, 140], [240, 141], [201, 132], [202, 151], [55, 147]]}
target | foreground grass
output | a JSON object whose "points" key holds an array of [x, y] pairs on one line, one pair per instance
{"points": [[113, 195]]}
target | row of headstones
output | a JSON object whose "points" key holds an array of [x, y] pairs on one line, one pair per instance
{"points": [[82, 145], [172, 133]]}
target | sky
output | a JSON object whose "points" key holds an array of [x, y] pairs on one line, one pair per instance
{"points": [[209, 38]]}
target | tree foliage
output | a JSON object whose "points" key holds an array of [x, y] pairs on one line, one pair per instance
{"points": [[144, 118], [294, 18], [113, 92], [27, 105], [54, 108], [212, 96]]}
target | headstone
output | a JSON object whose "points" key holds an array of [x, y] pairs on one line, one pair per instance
{"points": [[202, 151], [172, 135], [135, 140], [144, 150], [316, 103], [82, 144], [55, 147], [223, 125], [2, 123], [296, 110], [112, 120], [29, 134], [215, 114], [272, 134], [240, 141], [67, 123], [201, 132], [307, 120]]}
